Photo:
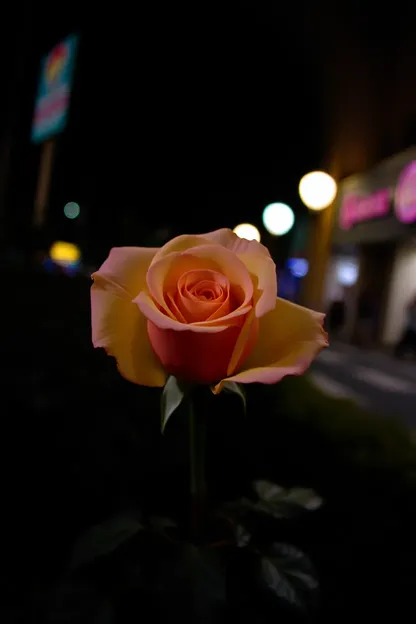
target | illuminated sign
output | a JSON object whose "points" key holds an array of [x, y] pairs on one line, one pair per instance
{"points": [[405, 195], [356, 208], [52, 101]]}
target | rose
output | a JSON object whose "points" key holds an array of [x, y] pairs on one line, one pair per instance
{"points": [[202, 308]]}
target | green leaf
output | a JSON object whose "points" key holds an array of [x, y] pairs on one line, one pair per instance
{"points": [[287, 574], [273, 501], [172, 396], [235, 388], [104, 538], [283, 503], [242, 536]]}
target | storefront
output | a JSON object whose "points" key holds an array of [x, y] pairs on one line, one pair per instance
{"points": [[372, 272]]}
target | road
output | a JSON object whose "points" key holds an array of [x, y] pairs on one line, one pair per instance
{"points": [[374, 380]]}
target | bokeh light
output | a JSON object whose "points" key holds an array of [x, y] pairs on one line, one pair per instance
{"points": [[72, 210], [317, 190], [278, 219], [299, 267], [247, 231], [65, 254], [347, 272]]}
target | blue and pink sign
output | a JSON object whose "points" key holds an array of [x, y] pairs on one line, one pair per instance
{"points": [[357, 208], [52, 101]]}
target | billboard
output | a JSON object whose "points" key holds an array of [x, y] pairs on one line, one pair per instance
{"points": [[52, 100]]}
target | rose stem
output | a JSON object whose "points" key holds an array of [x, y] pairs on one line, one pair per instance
{"points": [[197, 465]]}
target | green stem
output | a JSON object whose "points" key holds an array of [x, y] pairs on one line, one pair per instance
{"points": [[193, 450], [197, 469]]}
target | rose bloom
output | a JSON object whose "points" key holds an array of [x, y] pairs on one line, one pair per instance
{"points": [[203, 308]]}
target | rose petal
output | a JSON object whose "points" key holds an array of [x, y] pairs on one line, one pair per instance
{"points": [[163, 276], [245, 342], [224, 237], [231, 241], [290, 336], [163, 321], [195, 311], [179, 244], [258, 261], [195, 357], [194, 308], [262, 270], [118, 326]]}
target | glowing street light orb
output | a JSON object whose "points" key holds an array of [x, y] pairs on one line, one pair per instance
{"points": [[317, 190], [247, 231], [72, 210], [65, 254], [347, 272], [278, 219]]}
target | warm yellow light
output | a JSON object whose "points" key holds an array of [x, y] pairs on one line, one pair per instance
{"points": [[64, 253], [317, 190], [247, 231]]}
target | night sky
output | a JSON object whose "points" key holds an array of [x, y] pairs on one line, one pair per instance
{"points": [[186, 117]]}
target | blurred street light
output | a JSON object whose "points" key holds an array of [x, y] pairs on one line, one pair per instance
{"points": [[247, 231], [65, 254], [317, 190], [278, 219], [347, 272], [299, 267], [72, 210]]}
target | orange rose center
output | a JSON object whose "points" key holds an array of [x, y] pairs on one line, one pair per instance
{"points": [[200, 295]]}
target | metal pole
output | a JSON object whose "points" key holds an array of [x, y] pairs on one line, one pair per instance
{"points": [[44, 183]]}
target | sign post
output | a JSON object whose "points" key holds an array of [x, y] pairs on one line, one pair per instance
{"points": [[51, 114], [44, 182]]}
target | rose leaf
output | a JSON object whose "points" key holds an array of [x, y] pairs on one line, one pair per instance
{"points": [[102, 539], [172, 396], [235, 388]]}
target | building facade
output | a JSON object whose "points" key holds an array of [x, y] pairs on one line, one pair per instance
{"points": [[372, 267]]}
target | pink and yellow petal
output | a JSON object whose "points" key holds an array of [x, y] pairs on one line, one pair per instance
{"points": [[179, 245], [231, 241], [245, 342], [150, 310], [127, 267], [289, 338], [120, 328], [164, 274], [262, 271], [224, 237]]}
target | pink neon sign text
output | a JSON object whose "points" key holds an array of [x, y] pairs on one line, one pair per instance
{"points": [[356, 208], [405, 195]]}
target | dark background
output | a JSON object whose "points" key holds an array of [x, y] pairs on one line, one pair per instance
{"points": [[191, 117], [183, 117], [188, 117]]}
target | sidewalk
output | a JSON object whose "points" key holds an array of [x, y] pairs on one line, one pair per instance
{"points": [[371, 378], [380, 356]]}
